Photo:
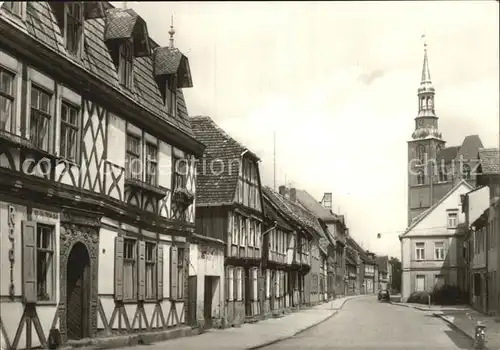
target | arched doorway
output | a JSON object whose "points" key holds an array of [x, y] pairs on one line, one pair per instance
{"points": [[78, 292]]}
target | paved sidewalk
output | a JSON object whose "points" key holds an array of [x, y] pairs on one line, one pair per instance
{"points": [[256, 335], [465, 322], [423, 307]]}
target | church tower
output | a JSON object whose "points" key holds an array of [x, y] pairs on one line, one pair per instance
{"points": [[426, 141]]}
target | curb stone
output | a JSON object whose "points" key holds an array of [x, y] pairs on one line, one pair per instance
{"points": [[271, 342], [456, 328]]}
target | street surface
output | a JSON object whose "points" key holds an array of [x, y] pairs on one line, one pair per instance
{"points": [[365, 323]]}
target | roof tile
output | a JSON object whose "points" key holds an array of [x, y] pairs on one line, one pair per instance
{"points": [[490, 160], [218, 170]]}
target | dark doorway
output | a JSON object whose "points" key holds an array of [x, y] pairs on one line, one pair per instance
{"points": [[192, 297], [78, 292], [207, 302]]}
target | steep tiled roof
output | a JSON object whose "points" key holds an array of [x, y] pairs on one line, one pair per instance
{"points": [[296, 213], [469, 147], [490, 161], [272, 213], [448, 154], [314, 206], [42, 25], [219, 168], [357, 247]]}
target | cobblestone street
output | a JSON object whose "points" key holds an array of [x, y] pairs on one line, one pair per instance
{"points": [[366, 324]]}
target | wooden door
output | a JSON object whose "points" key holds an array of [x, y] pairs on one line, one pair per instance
{"points": [[207, 302]]}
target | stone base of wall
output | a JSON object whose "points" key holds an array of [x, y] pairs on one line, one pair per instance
{"points": [[132, 339]]}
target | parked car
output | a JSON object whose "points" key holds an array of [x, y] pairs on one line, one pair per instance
{"points": [[384, 295]]}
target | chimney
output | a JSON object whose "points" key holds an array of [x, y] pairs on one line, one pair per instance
{"points": [[293, 195], [282, 190]]}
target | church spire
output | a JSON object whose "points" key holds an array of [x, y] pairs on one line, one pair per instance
{"points": [[426, 121], [425, 81]]}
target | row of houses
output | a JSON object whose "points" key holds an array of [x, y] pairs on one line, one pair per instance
{"points": [[120, 214], [455, 242]]}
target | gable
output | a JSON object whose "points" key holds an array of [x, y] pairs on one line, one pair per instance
{"points": [[477, 202], [435, 221]]}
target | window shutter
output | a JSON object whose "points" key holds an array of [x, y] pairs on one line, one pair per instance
{"points": [[118, 268], [29, 262], [173, 272], [159, 272], [141, 265]]}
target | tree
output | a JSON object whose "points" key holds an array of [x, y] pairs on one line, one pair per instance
{"points": [[396, 272]]}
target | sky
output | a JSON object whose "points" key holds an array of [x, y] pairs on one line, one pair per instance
{"points": [[336, 83]]}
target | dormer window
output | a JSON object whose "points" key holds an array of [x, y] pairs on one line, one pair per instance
{"points": [[73, 27], [69, 16], [126, 63], [171, 95]]}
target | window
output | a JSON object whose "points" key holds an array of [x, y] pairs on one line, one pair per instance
{"points": [[126, 64], [44, 262], [129, 269], [6, 101], [73, 26], [420, 251], [421, 153], [230, 282], [151, 163], [171, 96], [133, 168], [150, 270], [420, 177], [69, 131], [439, 250], [252, 234], [255, 286], [239, 284], [40, 118], [466, 172], [443, 176], [257, 235], [452, 220], [180, 273], [180, 173], [236, 229], [243, 231]]}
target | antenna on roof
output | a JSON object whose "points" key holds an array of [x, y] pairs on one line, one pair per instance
{"points": [[124, 5], [274, 159]]}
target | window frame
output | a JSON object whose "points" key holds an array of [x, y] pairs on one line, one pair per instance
{"points": [[449, 221], [180, 179], [11, 97], [230, 279], [38, 113], [465, 171], [149, 161], [154, 264], [134, 262], [171, 95], [126, 64], [439, 250], [420, 247], [53, 263], [131, 154], [77, 30], [75, 128]]}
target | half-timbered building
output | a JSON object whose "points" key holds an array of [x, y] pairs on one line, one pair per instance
{"points": [[229, 208], [97, 175], [280, 260]]}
